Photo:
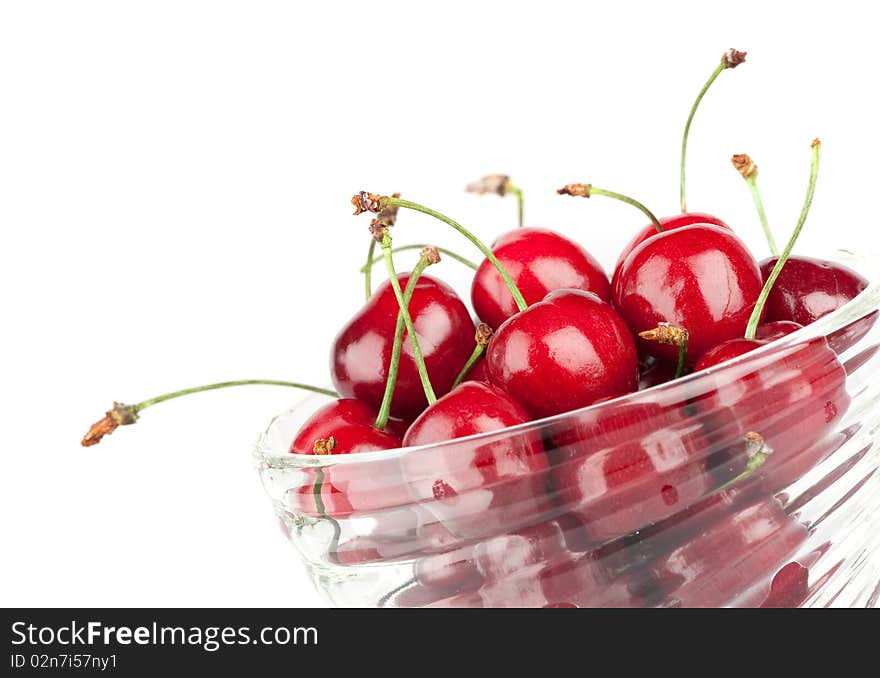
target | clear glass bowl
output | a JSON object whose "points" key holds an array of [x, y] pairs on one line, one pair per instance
{"points": [[657, 498]]}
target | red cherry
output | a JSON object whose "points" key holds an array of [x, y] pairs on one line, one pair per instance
{"points": [[362, 349], [350, 423], [730, 563], [539, 261], [627, 467], [771, 331], [790, 586], [478, 372], [808, 289], [793, 397], [653, 372], [701, 278], [346, 427], [562, 353], [668, 224], [482, 487]]}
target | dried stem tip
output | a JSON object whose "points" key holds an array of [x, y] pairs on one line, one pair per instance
{"points": [[733, 58], [430, 254], [120, 415], [367, 202], [491, 183], [483, 334], [755, 444], [745, 166], [378, 230], [388, 214], [815, 143], [324, 445], [578, 190], [665, 333]]}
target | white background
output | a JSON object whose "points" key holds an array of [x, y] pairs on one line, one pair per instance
{"points": [[174, 187]]}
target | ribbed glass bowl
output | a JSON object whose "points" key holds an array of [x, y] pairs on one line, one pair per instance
{"points": [[753, 483]]}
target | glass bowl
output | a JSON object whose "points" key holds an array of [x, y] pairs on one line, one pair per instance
{"points": [[753, 483]]}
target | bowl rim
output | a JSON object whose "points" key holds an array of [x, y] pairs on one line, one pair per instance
{"points": [[861, 306]]}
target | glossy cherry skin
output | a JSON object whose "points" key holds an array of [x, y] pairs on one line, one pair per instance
{"points": [[653, 372], [563, 353], [668, 224], [539, 261], [361, 351], [733, 561], [628, 466], [702, 278], [477, 487], [793, 397], [808, 289], [345, 489]]}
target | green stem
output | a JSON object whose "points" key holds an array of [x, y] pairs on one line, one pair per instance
{"points": [[687, 128], [759, 205], [394, 365], [517, 191], [629, 201], [403, 248], [682, 357], [367, 269], [225, 384], [479, 349], [406, 204], [319, 505], [730, 59], [407, 319], [755, 318]]}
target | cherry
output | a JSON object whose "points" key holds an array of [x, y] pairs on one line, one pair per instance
{"points": [[808, 289], [477, 487], [667, 224], [699, 277], [653, 372], [543, 565], [789, 587], [792, 397], [362, 350], [623, 468], [730, 563], [347, 426], [539, 261], [563, 353], [776, 329]]}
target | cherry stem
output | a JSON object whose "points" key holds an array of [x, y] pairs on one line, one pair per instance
{"points": [[404, 248], [749, 171], [122, 415], [587, 190], [755, 318], [757, 452], [322, 511], [517, 191], [369, 200], [386, 218], [665, 333], [407, 319], [483, 334], [730, 59], [367, 270], [226, 384], [391, 381]]}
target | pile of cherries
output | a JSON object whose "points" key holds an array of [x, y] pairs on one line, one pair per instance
{"points": [[664, 497]]}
